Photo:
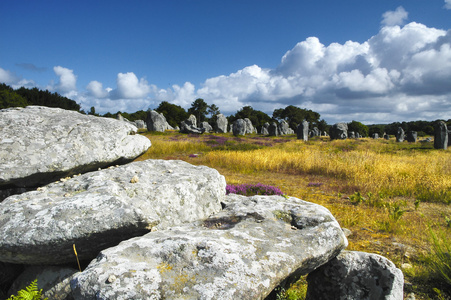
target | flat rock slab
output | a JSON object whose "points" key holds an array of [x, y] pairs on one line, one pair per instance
{"points": [[243, 252], [100, 209], [40, 144]]}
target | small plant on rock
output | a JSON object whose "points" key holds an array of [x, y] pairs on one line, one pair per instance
{"points": [[31, 292], [253, 189]]}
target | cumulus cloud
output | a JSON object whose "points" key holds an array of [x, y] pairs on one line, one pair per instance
{"points": [[448, 4], [11, 79], [67, 80], [397, 17], [95, 89], [130, 87]]}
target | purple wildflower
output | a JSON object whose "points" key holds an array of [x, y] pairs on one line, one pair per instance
{"points": [[253, 189]]}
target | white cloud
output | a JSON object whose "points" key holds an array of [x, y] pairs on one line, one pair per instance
{"points": [[129, 87], [95, 88], [447, 4], [397, 17], [67, 80]]}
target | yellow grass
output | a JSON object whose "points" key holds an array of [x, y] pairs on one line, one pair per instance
{"points": [[395, 174]]}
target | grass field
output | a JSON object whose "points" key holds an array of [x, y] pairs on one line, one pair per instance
{"points": [[394, 197]]}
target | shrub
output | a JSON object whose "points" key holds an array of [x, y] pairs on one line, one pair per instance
{"points": [[253, 189]]}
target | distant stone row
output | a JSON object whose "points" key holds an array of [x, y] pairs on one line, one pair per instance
{"points": [[157, 122]]}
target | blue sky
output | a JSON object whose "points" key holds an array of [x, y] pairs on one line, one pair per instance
{"points": [[370, 61]]}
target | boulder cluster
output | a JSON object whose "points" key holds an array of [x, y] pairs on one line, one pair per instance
{"points": [[89, 223]]}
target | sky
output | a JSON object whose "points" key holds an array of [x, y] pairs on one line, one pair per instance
{"points": [[372, 61]]}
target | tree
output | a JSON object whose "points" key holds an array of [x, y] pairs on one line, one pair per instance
{"points": [[358, 127], [9, 98], [294, 115], [199, 109], [174, 114], [258, 118], [213, 110]]}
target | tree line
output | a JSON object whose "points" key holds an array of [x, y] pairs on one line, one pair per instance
{"points": [[175, 114]]}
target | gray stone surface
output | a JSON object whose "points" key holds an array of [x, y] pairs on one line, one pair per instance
{"points": [[338, 131], [356, 276], [249, 127], [440, 136], [264, 129], [412, 136], [206, 127], [375, 136], [239, 127], [140, 124], [156, 121], [190, 126], [100, 209], [400, 135], [302, 131], [40, 144], [54, 281], [243, 252], [284, 128], [221, 123], [273, 129]]}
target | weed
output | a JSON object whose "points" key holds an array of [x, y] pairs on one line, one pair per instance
{"points": [[395, 211], [357, 198], [440, 258]]}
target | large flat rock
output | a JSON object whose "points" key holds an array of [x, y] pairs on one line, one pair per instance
{"points": [[100, 209], [243, 252], [40, 144]]}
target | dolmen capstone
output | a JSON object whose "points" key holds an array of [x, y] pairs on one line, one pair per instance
{"points": [[338, 131], [100, 209], [302, 131], [356, 275], [243, 252], [440, 135], [39, 145]]}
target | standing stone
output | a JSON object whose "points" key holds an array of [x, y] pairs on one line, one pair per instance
{"points": [[400, 135], [449, 136], [207, 127], [411, 136], [302, 131], [140, 124], [441, 136], [283, 128], [273, 129], [249, 126], [221, 123], [156, 121], [264, 129], [190, 126], [356, 275], [375, 135], [351, 134], [357, 135], [239, 127], [339, 131], [386, 136]]}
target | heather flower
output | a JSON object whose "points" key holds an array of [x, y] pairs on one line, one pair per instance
{"points": [[253, 189], [315, 184]]}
